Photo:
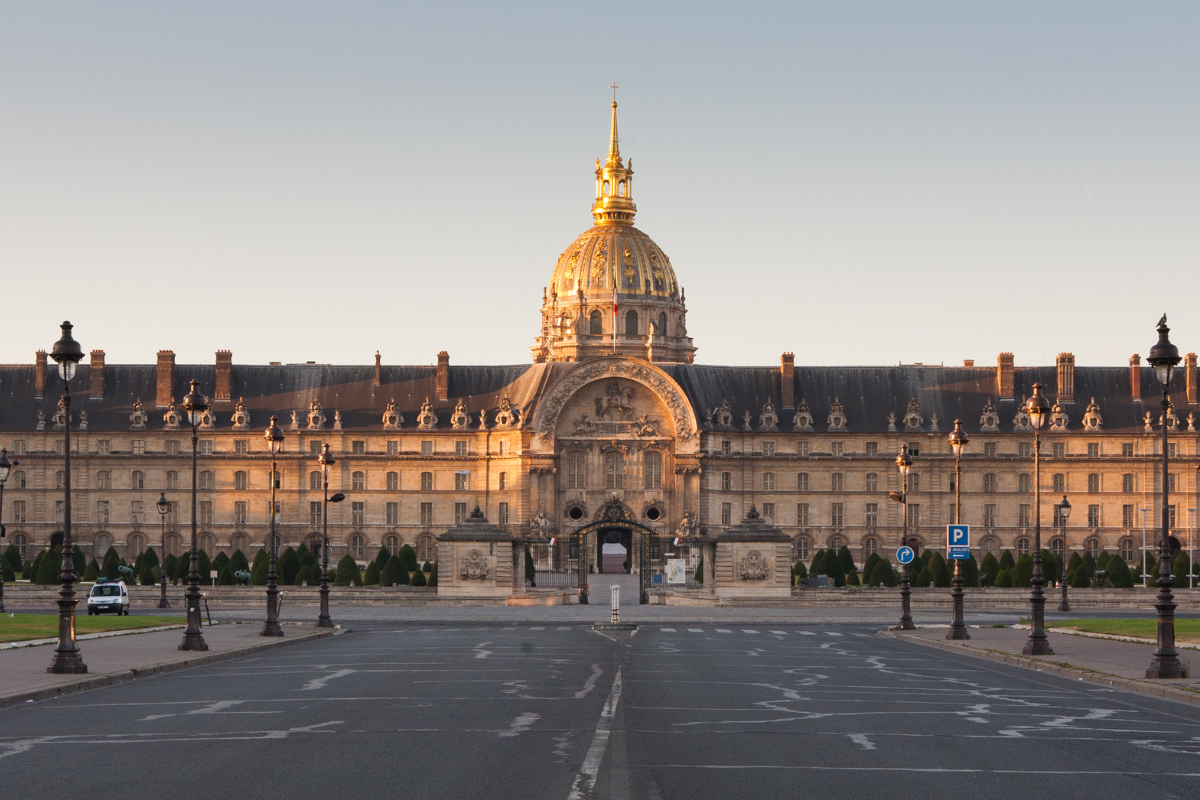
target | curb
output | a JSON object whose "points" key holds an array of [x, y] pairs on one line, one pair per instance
{"points": [[1166, 691], [113, 678], [88, 636]]}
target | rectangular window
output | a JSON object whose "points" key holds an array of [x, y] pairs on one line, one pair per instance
{"points": [[18, 511], [989, 515], [1170, 482], [1127, 516], [1094, 516], [1170, 450], [1093, 449], [872, 482], [314, 448], [1057, 517], [460, 513], [241, 446], [836, 449], [726, 481], [19, 447], [358, 513], [872, 515], [426, 448], [1058, 483], [768, 481], [1127, 482], [103, 446], [914, 482], [461, 480], [206, 447], [726, 513], [503, 481], [426, 481], [872, 449], [358, 447], [653, 464], [914, 515], [314, 513], [802, 449], [137, 512], [239, 512], [575, 460], [393, 481], [172, 447], [502, 514], [726, 447], [989, 449], [802, 482], [460, 448], [835, 514], [139, 447], [1127, 449], [1024, 482], [1058, 449], [426, 514], [102, 512], [769, 511], [502, 446], [914, 449], [1024, 450], [205, 512], [1171, 516], [802, 515], [58, 510], [768, 449], [1023, 517], [1093, 483], [393, 514], [836, 482], [393, 448]]}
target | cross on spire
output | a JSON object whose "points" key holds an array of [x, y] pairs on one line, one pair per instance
{"points": [[614, 87]]}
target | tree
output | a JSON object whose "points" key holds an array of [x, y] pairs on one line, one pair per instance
{"points": [[108, 569], [347, 571], [1180, 565], [852, 578], [219, 563], [382, 557], [700, 571], [50, 567], [79, 561], [1022, 573], [169, 565], [307, 559], [869, 565], [288, 566], [1102, 560], [418, 579], [1006, 560], [408, 557], [13, 557], [1004, 578], [799, 574], [818, 564], [1051, 569], [433, 572], [845, 559], [112, 551], [1119, 573], [205, 566], [6, 567], [970, 572], [884, 574], [371, 576], [833, 568], [938, 571], [91, 572], [924, 578], [27, 571], [258, 572], [225, 576], [390, 574], [147, 576], [990, 566], [1089, 563], [306, 576], [1081, 578]]}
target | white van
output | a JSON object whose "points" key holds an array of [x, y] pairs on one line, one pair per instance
{"points": [[108, 595]]}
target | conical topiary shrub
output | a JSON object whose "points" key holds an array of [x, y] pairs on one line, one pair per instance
{"points": [[938, 571], [92, 571], [817, 567], [219, 563], [371, 575], [1119, 573], [1081, 578], [390, 574], [989, 565], [1023, 572], [970, 572], [288, 566], [238, 562], [382, 557], [109, 568], [1006, 560], [347, 571], [924, 578], [13, 557], [418, 579], [845, 560], [50, 567], [225, 577], [306, 577], [433, 572], [408, 557], [147, 577], [1004, 578]]}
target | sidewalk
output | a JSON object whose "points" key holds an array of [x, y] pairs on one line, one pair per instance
{"points": [[137, 655], [1104, 661]]}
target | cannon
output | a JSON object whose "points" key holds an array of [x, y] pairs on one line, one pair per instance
{"points": [[242, 577], [985, 580], [126, 573]]}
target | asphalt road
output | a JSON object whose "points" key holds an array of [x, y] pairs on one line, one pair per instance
{"points": [[560, 711]]}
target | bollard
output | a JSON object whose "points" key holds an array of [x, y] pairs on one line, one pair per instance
{"points": [[616, 604]]}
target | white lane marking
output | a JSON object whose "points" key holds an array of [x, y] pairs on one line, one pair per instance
{"points": [[831, 633], [520, 724], [806, 633], [946, 770], [212, 708], [746, 631], [590, 683], [779, 633], [862, 741], [563, 628], [319, 683], [542, 628], [25, 745], [724, 630], [585, 781], [480, 652], [695, 630], [667, 630]]}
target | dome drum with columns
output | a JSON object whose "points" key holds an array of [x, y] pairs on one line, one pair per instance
{"points": [[613, 259]]}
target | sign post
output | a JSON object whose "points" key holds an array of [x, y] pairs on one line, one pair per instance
{"points": [[958, 542]]}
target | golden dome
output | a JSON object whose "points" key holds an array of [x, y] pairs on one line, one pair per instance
{"points": [[611, 255]]}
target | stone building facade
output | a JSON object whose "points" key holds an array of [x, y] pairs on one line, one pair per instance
{"points": [[613, 404]]}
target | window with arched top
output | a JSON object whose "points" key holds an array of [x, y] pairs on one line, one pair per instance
{"points": [[315, 481], [1126, 549], [614, 470], [208, 543], [426, 481], [596, 323], [21, 542], [837, 543], [621, 189], [393, 481], [391, 543], [1022, 547], [800, 548], [426, 548], [1092, 546], [662, 324], [870, 547], [135, 546], [358, 545], [100, 545], [653, 466], [1058, 546], [631, 323], [174, 544], [358, 481]]}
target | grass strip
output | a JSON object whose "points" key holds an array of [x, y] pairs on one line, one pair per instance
{"points": [[1186, 629], [21, 627]]}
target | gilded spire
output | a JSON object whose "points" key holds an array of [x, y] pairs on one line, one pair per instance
{"points": [[614, 181], [614, 149]]}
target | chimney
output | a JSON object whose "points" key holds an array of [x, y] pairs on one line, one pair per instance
{"points": [[224, 377], [787, 379], [1005, 385], [1190, 361], [968, 362], [39, 375], [1135, 375], [378, 371], [96, 374], [443, 377], [166, 378], [1066, 378]]}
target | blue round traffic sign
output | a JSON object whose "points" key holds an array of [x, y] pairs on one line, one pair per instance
{"points": [[905, 555]]}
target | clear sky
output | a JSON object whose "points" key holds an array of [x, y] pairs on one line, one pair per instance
{"points": [[861, 183]]}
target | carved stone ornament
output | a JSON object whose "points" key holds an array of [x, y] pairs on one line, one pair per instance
{"points": [[1148, 421], [1092, 421], [912, 417], [483, 420], [426, 419], [241, 417], [708, 419], [392, 419], [83, 419], [891, 422], [459, 420], [584, 426], [540, 525], [171, 417], [41, 423], [337, 420], [989, 420], [208, 420], [139, 417], [754, 566], [316, 416], [295, 423], [1021, 422], [1191, 423], [645, 426], [1059, 421], [1172, 420], [933, 423], [616, 403], [725, 415], [803, 420], [837, 417], [746, 420], [649, 376], [687, 526], [507, 416], [768, 420], [474, 567]]}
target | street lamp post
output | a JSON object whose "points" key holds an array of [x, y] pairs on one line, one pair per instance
{"points": [[1064, 512], [903, 463], [67, 661], [271, 627], [1037, 644], [195, 404], [958, 442], [1164, 356], [164, 507], [5, 467], [326, 460]]}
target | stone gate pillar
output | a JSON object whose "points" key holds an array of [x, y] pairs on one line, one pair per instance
{"points": [[753, 560], [475, 559]]}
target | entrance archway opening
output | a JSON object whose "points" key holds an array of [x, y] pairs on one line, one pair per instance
{"points": [[615, 546]]}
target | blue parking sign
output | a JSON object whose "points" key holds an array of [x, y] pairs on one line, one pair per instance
{"points": [[958, 542]]}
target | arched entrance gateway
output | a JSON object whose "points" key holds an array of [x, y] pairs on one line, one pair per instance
{"points": [[614, 539]]}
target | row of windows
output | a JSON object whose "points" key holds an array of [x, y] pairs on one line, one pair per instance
{"points": [[207, 447], [596, 323], [990, 449], [990, 482], [205, 480], [614, 469]]}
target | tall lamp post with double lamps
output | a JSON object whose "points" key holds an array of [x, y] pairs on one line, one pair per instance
{"points": [[5, 468], [195, 404], [1164, 356], [903, 463], [67, 661], [326, 460], [164, 508], [1064, 513], [274, 437], [958, 443], [1038, 408]]}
